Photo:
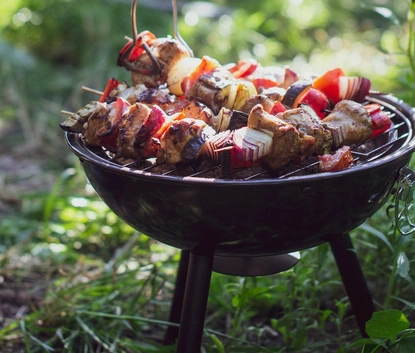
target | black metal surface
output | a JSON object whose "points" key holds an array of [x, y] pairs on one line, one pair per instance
{"points": [[195, 298], [172, 332], [251, 217], [255, 265], [353, 280]]}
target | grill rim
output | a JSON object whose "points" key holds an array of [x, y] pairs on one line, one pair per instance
{"points": [[86, 154]]}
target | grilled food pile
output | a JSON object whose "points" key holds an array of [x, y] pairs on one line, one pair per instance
{"points": [[180, 109]]}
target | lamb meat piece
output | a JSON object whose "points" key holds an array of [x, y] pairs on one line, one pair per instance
{"points": [[309, 125], [160, 97], [102, 126], [218, 89], [197, 110], [130, 126], [168, 52], [349, 123], [287, 143], [75, 122], [262, 99], [182, 140]]}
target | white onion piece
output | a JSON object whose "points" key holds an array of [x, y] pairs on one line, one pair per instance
{"points": [[251, 87], [250, 145], [213, 145], [178, 72], [221, 121], [232, 95], [349, 86]]}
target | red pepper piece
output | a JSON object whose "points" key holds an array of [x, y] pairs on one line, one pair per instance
{"points": [[278, 107], [318, 101], [264, 83], [380, 121], [244, 68], [111, 84], [143, 37], [328, 83]]}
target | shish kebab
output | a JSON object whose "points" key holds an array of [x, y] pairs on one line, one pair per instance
{"points": [[180, 108]]}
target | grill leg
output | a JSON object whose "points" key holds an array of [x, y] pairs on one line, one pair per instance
{"points": [[177, 303], [195, 302], [353, 279]]}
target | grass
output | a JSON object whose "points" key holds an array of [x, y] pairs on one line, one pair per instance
{"points": [[111, 293]]}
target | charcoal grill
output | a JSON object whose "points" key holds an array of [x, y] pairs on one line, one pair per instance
{"points": [[254, 225]]}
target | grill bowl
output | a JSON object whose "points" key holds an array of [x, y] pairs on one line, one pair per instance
{"points": [[250, 217]]}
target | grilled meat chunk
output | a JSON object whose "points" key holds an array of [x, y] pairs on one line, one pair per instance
{"points": [[349, 123], [182, 140], [262, 99], [75, 122], [287, 143], [310, 127], [219, 89], [130, 126], [197, 110], [168, 52]]}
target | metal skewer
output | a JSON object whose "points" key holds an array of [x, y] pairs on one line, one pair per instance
{"points": [[176, 29]]}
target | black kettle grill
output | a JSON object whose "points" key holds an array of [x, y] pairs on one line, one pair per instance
{"points": [[254, 225]]}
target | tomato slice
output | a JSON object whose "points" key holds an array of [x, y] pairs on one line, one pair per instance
{"points": [[340, 160], [328, 83], [318, 101], [244, 68], [264, 83]]}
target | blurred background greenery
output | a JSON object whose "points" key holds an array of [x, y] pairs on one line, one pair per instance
{"points": [[49, 49]]}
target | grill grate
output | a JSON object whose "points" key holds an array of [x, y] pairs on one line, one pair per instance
{"points": [[389, 141]]}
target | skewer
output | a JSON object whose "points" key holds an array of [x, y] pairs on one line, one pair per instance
{"points": [[176, 29], [65, 112], [91, 90]]}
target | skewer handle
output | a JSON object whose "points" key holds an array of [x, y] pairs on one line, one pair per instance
{"points": [[91, 90]]}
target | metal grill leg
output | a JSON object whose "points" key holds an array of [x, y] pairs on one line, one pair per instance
{"points": [[353, 279], [177, 303], [195, 303]]}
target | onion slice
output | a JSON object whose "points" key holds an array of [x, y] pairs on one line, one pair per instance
{"points": [[353, 88], [250, 145]]}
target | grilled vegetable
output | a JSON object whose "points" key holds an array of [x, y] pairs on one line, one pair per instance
{"points": [[111, 85], [380, 121], [250, 145], [316, 100], [244, 68], [246, 146], [295, 93], [328, 83], [341, 159], [337, 86]]}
